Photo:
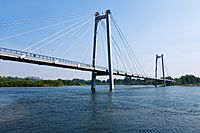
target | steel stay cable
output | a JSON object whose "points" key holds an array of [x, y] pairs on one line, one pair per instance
{"points": [[126, 49], [117, 62], [46, 38], [61, 44], [120, 57], [28, 22], [127, 44], [38, 29], [118, 42], [115, 55], [122, 53], [131, 60], [125, 53], [103, 42], [17, 22], [73, 44], [116, 49], [166, 68], [126, 59], [61, 35], [88, 48]]}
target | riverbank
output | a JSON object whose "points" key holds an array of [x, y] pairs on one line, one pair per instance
{"points": [[25, 82]]}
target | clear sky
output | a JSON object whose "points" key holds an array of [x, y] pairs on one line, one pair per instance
{"points": [[171, 27]]}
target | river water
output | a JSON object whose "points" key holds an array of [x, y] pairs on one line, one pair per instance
{"points": [[77, 109]]}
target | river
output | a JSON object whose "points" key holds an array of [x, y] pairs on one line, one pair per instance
{"points": [[76, 109]]}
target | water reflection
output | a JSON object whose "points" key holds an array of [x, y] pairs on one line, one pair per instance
{"points": [[101, 108]]}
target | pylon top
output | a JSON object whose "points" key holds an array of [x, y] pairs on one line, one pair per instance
{"points": [[96, 13], [108, 11]]}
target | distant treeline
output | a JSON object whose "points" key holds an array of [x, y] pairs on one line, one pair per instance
{"points": [[183, 80], [27, 82], [187, 80], [36, 82]]}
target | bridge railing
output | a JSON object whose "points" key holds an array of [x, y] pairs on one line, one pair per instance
{"points": [[22, 54]]}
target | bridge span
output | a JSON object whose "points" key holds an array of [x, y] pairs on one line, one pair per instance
{"points": [[21, 56]]}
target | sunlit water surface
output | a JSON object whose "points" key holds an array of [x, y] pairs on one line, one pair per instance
{"points": [[77, 109]]}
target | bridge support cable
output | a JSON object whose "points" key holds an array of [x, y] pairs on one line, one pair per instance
{"points": [[48, 37], [124, 54], [130, 62], [167, 70], [125, 59], [117, 53], [116, 62], [67, 38], [102, 35], [42, 28], [136, 59], [120, 54], [120, 58], [126, 44], [24, 21], [87, 57], [127, 51], [63, 34], [74, 44], [34, 20], [60, 45], [103, 38]]}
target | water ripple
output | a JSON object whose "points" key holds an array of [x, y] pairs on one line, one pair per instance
{"points": [[76, 109]]}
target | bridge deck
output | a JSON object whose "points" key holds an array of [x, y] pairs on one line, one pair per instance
{"points": [[21, 56]]}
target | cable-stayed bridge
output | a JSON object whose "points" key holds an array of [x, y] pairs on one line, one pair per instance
{"points": [[120, 59]]}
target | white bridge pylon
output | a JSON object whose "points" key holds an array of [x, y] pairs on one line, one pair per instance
{"points": [[98, 18]]}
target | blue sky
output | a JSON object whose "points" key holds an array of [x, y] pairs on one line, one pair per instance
{"points": [[171, 27]]}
